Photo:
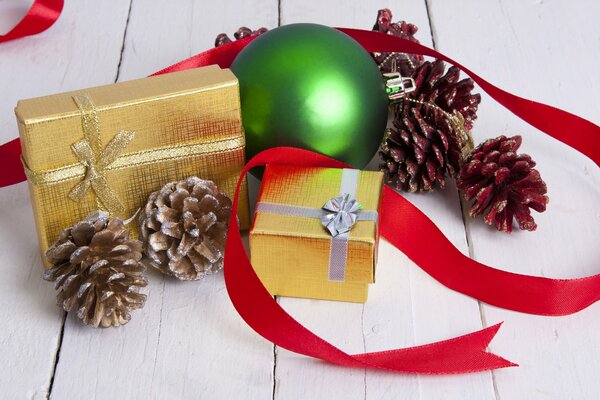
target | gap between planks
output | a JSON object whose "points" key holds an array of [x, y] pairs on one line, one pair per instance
{"points": [[65, 314], [463, 206], [57, 354], [123, 44], [274, 392]]}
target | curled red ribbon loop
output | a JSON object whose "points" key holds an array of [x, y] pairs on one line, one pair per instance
{"points": [[41, 15], [258, 308]]}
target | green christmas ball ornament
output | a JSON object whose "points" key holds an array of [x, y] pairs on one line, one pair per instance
{"points": [[314, 87]]}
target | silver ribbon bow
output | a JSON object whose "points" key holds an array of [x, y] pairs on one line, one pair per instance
{"points": [[338, 216], [343, 214]]}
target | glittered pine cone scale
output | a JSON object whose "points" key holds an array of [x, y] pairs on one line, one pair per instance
{"points": [[503, 185], [394, 61], [434, 84], [184, 228], [414, 155], [430, 137], [97, 271]]}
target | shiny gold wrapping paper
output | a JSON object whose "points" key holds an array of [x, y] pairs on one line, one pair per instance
{"points": [[185, 123], [290, 254]]}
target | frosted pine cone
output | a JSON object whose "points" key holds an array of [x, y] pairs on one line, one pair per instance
{"points": [[184, 228], [241, 33], [97, 271], [502, 184], [400, 62], [431, 134]]}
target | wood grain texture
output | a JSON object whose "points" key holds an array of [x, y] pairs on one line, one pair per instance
{"points": [[525, 50], [66, 57]]}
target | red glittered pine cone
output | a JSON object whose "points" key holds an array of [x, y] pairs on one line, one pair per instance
{"points": [[400, 62], [239, 34], [446, 91], [502, 184], [430, 137]]}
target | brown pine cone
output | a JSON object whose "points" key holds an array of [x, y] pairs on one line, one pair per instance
{"points": [[184, 228], [503, 184], [400, 62], [241, 33], [97, 270], [431, 134]]}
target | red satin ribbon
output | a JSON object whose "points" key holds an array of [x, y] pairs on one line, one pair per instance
{"points": [[41, 15], [570, 129], [10, 163], [258, 308], [409, 230]]}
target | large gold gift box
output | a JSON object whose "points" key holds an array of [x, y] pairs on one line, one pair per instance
{"points": [[109, 147], [291, 250]]}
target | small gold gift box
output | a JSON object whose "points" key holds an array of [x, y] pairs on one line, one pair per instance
{"points": [[315, 232], [109, 147]]}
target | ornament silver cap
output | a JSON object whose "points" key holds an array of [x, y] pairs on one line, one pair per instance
{"points": [[397, 86]]}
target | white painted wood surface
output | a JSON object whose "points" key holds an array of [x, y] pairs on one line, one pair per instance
{"points": [[188, 342], [525, 49]]}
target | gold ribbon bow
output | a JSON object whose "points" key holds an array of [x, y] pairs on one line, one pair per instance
{"points": [[94, 159]]}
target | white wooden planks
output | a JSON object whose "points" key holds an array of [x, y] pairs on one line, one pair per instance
{"points": [[547, 51], [68, 56]]}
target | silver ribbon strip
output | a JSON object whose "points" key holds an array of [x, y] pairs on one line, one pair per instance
{"points": [[338, 251], [307, 212]]}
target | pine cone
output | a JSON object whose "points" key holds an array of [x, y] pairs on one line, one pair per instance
{"points": [[503, 184], [241, 33], [431, 135], [97, 271], [400, 62], [184, 228], [446, 91]]}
